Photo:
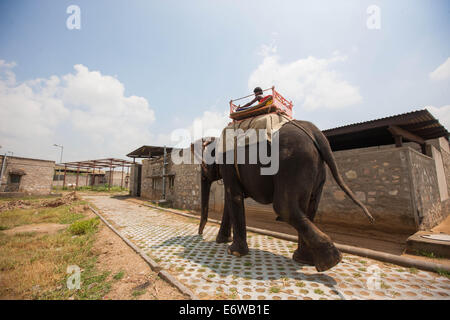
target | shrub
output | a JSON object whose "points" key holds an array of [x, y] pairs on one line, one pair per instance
{"points": [[83, 226]]}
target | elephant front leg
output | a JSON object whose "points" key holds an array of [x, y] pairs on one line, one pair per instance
{"points": [[224, 234], [235, 206]]}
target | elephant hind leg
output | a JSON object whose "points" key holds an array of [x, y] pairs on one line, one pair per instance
{"points": [[324, 255], [303, 253]]}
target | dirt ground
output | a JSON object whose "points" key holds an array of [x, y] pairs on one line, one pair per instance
{"points": [[48, 228], [139, 281], [443, 227]]}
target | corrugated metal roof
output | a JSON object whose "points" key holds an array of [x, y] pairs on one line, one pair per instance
{"points": [[375, 132], [148, 152]]}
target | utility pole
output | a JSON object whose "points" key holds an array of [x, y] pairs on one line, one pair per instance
{"points": [[164, 174], [2, 170], [62, 149]]}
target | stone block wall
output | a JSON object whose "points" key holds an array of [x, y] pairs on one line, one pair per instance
{"points": [[446, 161], [186, 189], [37, 177], [381, 180], [425, 190], [182, 183]]}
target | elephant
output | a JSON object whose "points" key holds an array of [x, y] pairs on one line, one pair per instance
{"points": [[294, 191]]}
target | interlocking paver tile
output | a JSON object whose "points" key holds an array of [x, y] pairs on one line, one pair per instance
{"points": [[267, 272]]}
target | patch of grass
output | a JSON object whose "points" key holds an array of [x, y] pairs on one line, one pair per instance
{"points": [[212, 275], [413, 270], [383, 285], [32, 260], [318, 291], [357, 275], [427, 254], [300, 284], [62, 214], [3, 228], [362, 269], [247, 264], [34, 266], [137, 293], [99, 188], [443, 273], [274, 289], [83, 226], [119, 275]]}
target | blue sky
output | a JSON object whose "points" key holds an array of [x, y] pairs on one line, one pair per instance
{"points": [[184, 60]]}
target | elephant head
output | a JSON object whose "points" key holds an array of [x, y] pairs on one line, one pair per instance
{"points": [[210, 172]]}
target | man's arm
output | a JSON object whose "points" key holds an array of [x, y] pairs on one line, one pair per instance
{"points": [[250, 103]]}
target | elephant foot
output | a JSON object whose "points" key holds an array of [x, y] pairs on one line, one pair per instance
{"points": [[223, 239], [237, 250], [326, 257], [303, 257]]}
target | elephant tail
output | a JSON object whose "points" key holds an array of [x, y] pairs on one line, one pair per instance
{"points": [[327, 155]]}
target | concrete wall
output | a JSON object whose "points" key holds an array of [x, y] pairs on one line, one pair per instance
{"points": [[71, 179], [37, 179], [116, 177]]}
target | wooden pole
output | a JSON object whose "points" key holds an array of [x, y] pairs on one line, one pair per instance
{"points": [[64, 180], [110, 176], [93, 176], [123, 168], [78, 174]]}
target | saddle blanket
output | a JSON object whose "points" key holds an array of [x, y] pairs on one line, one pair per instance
{"points": [[270, 123]]}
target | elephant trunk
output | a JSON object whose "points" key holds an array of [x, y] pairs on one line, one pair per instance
{"points": [[205, 190]]}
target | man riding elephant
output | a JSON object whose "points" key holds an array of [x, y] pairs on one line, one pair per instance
{"points": [[294, 190]]}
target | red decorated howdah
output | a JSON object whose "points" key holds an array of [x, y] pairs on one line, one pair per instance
{"points": [[275, 104]]}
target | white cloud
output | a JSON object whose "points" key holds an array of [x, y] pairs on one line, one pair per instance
{"points": [[310, 82], [85, 111], [209, 124], [442, 114], [442, 72]]}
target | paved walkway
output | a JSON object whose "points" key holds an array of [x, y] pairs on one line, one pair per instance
{"points": [[268, 272]]}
